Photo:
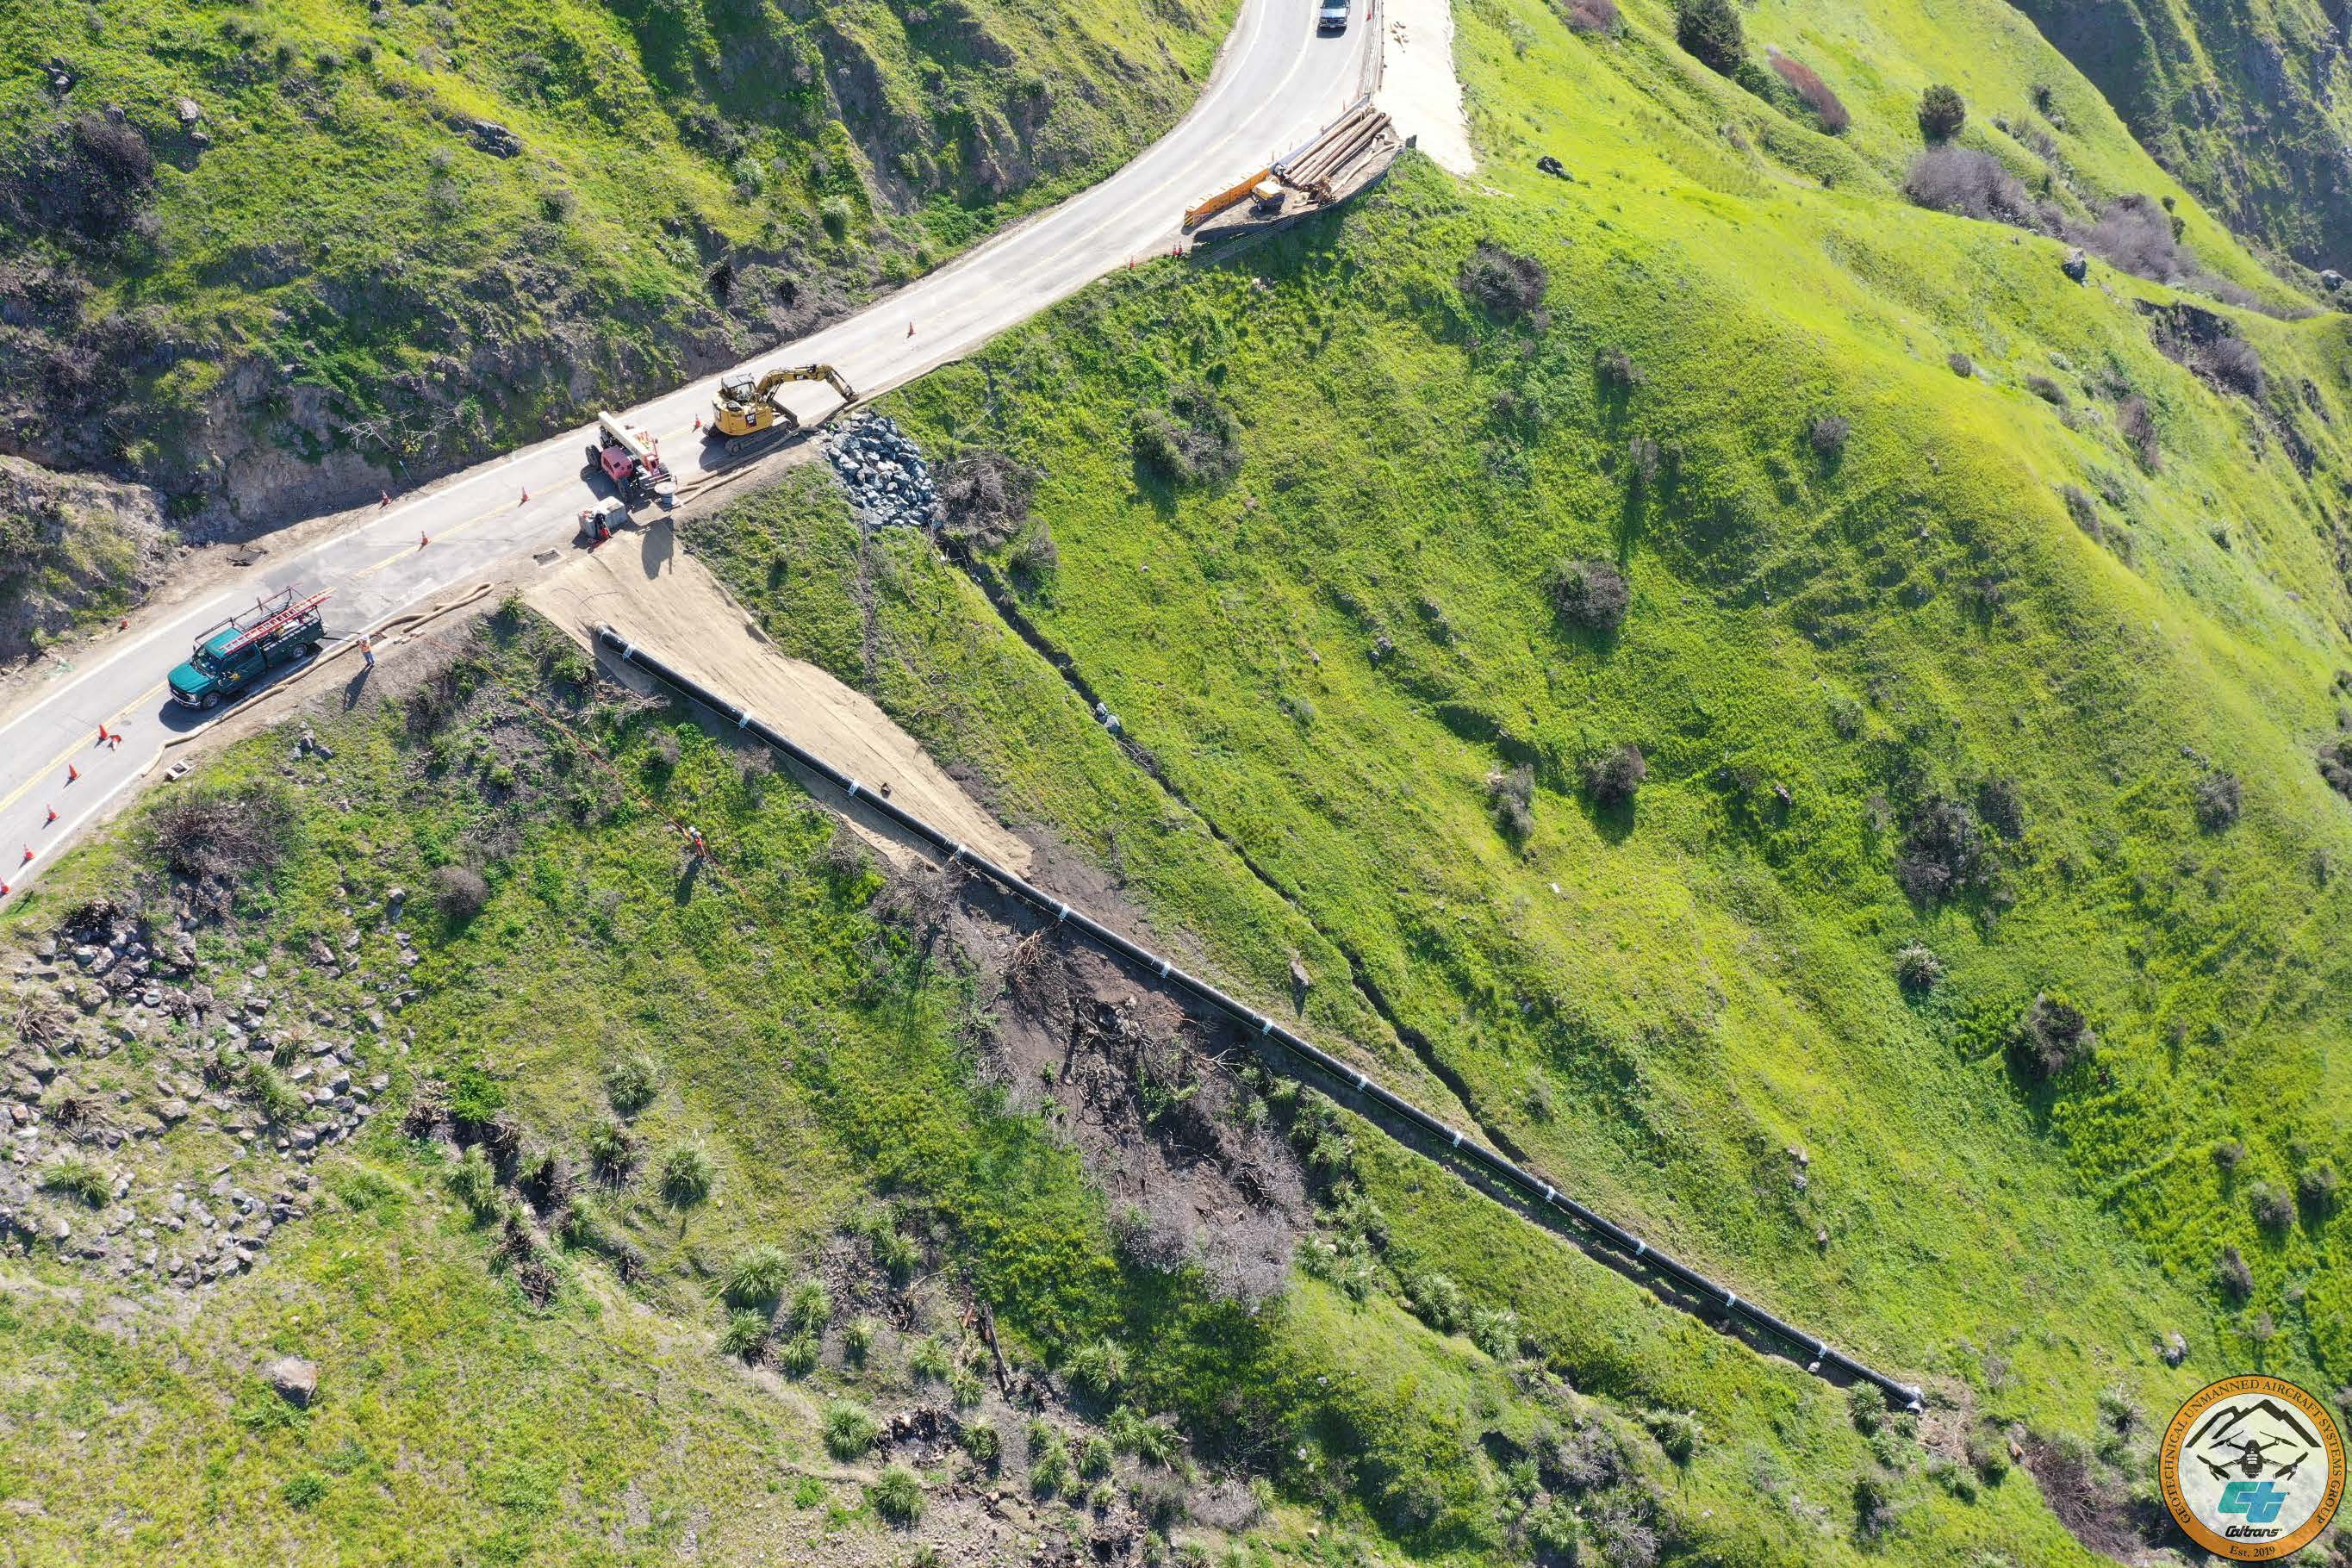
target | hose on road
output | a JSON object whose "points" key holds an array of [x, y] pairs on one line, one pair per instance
{"points": [[1261, 1030]]}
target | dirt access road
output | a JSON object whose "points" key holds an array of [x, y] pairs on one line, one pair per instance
{"points": [[650, 592], [1276, 84]]}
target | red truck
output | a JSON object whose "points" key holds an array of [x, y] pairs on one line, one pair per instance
{"points": [[631, 459]]}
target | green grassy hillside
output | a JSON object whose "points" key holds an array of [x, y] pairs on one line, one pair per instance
{"points": [[262, 258], [2244, 100], [511, 1371], [1958, 973], [2121, 661]]}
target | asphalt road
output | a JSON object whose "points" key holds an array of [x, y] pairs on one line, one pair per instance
{"points": [[1276, 83]]}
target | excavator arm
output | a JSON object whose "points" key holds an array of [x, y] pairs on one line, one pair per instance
{"points": [[786, 372]]}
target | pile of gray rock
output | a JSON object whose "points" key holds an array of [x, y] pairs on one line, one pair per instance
{"points": [[885, 474]]}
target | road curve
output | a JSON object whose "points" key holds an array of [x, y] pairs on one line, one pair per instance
{"points": [[1276, 82]]}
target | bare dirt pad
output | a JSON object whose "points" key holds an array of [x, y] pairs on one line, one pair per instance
{"points": [[1417, 85], [641, 585], [1144, 1089]]}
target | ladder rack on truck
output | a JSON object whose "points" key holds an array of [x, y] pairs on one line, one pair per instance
{"points": [[275, 622]]}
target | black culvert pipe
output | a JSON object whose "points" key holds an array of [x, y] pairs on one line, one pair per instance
{"points": [[1261, 1027]]}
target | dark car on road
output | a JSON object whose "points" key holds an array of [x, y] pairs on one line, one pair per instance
{"points": [[1332, 18]]}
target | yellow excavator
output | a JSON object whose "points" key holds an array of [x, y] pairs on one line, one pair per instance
{"points": [[747, 407]]}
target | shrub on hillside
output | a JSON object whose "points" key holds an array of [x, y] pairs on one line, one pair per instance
{"points": [[756, 1277], [459, 893], [1942, 113], [2137, 234], [2049, 391], [2082, 509], [2218, 800], [1592, 16], [1807, 84], [1555, 1533], [811, 1307], [2234, 364], [2273, 1209], [1591, 595], [745, 1336], [611, 1151], [1965, 182], [2316, 1185], [1035, 555], [1613, 778], [2049, 1038], [1438, 1301], [897, 1496], [443, 693], [2230, 1271], [232, 834], [2137, 426], [475, 1182], [1192, 441], [1647, 458], [1877, 1508], [979, 1438], [662, 751], [1617, 370], [987, 496], [1505, 284], [2001, 807], [1944, 852], [1512, 795], [630, 1081], [1829, 435], [2336, 765], [72, 1176], [686, 1176], [1961, 365], [1710, 31], [1916, 967], [849, 1431], [1677, 1432]]}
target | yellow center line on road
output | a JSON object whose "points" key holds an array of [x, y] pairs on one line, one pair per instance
{"points": [[405, 550], [68, 756]]}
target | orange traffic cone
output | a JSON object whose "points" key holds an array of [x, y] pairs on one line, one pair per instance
{"points": [[52, 817], [698, 421], [72, 772], [102, 734], [911, 329], [526, 497], [423, 540], [28, 856]]}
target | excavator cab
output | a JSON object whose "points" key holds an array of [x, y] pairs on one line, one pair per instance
{"points": [[742, 410]]}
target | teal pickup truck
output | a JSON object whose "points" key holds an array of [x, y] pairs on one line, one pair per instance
{"points": [[231, 658]]}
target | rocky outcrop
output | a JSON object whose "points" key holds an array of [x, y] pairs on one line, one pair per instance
{"points": [[73, 548], [294, 1380], [161, 1114]]}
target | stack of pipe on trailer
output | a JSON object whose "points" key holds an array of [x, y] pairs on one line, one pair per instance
{"points": [[1334, 151]]}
